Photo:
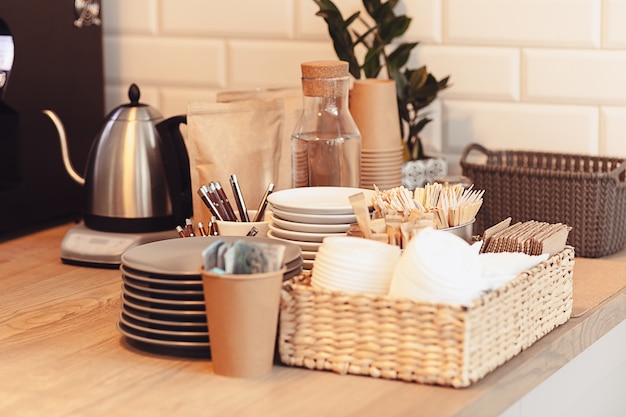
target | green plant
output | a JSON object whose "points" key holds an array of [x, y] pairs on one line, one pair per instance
{"points": [[416, 88]]}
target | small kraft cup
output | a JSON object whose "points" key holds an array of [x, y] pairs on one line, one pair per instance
{"points": [[231, 228], [242, 316]]}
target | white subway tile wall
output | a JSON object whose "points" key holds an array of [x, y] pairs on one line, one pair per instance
{"points": [[544, 75]]}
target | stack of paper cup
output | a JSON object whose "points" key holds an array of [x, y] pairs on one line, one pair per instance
{"points": [[374, 107], [354, 264]]}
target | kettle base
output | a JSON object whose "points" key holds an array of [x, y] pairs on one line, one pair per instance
{"points": [[87, 247]]}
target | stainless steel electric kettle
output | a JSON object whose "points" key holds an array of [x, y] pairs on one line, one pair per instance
{"points": [[137, 172]]}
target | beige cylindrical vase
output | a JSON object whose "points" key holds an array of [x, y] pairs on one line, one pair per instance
{"points": [[374, 107], [242, 316]]}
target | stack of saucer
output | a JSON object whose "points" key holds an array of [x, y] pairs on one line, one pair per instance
{"points": [[306, 216], [382, 167], [355, 264], [163, 306]]}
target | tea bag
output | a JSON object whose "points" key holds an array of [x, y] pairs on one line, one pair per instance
{"points": [[242, 138], [243, 257], [209, 255]]}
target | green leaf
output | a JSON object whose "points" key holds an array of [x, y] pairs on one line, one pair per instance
{"points": [[378, 10], [417, 79], [400, 56], [421, 124], [327, 6], [338, 31], [393, 27], [371, 6], [443, 83], [371, 64], [362, 38], [415, 88]]}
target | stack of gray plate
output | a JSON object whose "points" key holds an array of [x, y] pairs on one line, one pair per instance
{"points": [[162, 297]]}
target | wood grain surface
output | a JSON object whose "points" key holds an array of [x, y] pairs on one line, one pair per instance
{"points": [[62, 355]]}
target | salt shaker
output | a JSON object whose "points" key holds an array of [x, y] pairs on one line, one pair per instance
{"points": [[326, 143]]}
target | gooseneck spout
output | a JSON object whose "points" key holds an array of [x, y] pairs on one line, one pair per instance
{"points": [[64, 148]]}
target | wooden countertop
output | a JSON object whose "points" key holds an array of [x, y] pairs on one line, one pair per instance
{"points": [[61, 355]]}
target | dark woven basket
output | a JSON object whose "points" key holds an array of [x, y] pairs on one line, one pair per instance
{"points": [[585, 192]]}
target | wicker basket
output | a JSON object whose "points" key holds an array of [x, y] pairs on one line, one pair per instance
{"points": [[587, 193], [403, 339]]}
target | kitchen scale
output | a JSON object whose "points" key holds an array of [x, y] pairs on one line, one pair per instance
{"points": [[88, 247]]}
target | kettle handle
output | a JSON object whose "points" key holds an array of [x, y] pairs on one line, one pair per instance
{"points": [[176, 162]]}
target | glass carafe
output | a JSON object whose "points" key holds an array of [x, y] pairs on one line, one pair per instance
{"points": [[326, 143]]}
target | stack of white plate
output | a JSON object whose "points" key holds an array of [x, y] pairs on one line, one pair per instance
{"points": [[382, 167], [163, 306], [305, 216]]}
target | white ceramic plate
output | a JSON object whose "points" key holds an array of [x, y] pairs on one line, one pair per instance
{"points": [[305, 246], [308, 255], [310, 227], [301, 236], [183, 256], [314, 218], [316, 200]]}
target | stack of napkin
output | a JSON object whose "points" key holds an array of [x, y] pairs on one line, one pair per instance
{"points": [[440, 267]]}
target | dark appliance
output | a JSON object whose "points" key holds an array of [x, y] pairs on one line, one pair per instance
{"points": [[57, 64]]}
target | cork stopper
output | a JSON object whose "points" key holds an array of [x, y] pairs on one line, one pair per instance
{"points": [[319, 78], [324, 69]]}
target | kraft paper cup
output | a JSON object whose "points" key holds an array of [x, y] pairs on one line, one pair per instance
{"points": [[374, 108], [227, 228], [242, 317]]}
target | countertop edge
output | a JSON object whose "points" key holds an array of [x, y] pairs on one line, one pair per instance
{"points": [[513, 380]]}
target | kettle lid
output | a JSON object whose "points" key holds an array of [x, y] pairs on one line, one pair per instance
{"points": [[134, 111]]}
